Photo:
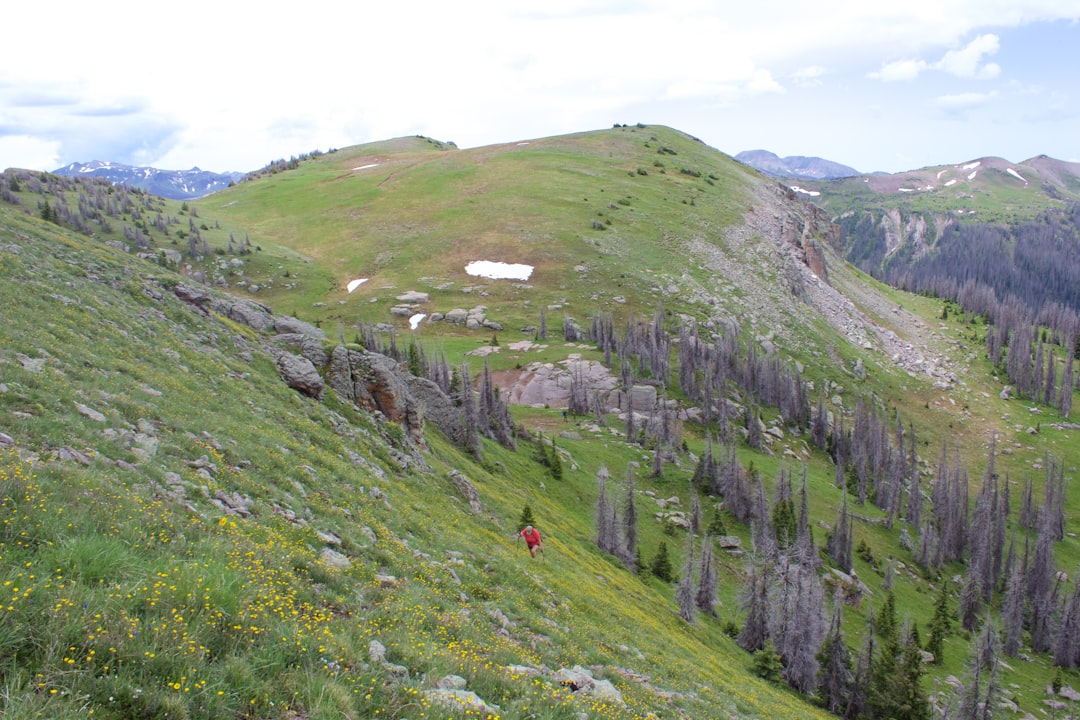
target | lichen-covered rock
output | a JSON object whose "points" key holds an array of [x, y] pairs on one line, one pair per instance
{"points": [[300, 374], [286, 324]]}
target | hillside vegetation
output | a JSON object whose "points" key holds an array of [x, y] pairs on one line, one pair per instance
{"points": [[186, 535]]}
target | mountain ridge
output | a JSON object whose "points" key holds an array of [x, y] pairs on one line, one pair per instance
{"points": [[795, 166], [146, 369], [173, 184]]}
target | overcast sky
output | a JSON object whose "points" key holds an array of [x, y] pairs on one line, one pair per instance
{"points": [[231, 85]]}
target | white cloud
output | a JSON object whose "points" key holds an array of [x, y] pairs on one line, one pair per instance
{"points": [[964, 101], [967, 62], [762, 82], [899, 70], [24, 151], [809, 76]]}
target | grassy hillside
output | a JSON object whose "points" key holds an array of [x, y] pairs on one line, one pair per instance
{"points": [[169, 504]]}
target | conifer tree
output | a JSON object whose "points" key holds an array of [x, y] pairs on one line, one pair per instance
{"points": [[661, 563], [835, 676], [526, 517], [1012, 613], [980, 695], [684, 591], [705, 596], [629, 550], [940, 625], [605, 515]]}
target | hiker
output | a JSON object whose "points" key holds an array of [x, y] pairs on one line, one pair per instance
{"points": [[532, 539]]}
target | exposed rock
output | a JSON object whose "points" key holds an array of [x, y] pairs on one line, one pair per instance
{"points": [[247, 312], [460, 700], [413, 296], [579, 679], [6, 440], [457, 316], [70, 454], [451, 682], [309, 347], [376, 652], [89, 412], [300, 374], [468, 490], [287, 325], [728, 542], [333, 559]]}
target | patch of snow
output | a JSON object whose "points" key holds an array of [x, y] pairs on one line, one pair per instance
{"points": [[972, 166], [950, 182], [973, 174], [365, 167], [414, 321], [905, 190], [941, 172], [499, 270], [866, 180], [353, 284], [928, 188], [1016, 175], [811, 193], [523, 143]]}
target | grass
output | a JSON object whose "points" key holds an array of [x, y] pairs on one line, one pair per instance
{"points": [[138, 596]]}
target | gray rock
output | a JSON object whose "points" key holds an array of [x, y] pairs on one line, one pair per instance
{"points": [[413, 296], [451, 682], [89, 412], [468, 490], [334, 559], [460, 700], [286, 324], [457, 316], [300, 374], [376, 652]]}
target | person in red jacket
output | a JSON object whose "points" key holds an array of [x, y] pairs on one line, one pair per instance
{"points": [[532, 539]]}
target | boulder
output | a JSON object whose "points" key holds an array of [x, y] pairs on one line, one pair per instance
{"points": [[300, 374], [335, 560], [286, 324], [413, 296], [460, 700]]}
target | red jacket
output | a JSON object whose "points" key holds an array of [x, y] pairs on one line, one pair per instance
{"points": [[531, 537]]}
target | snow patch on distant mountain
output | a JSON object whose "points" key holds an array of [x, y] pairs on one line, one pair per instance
{"points": [[172, 184]]}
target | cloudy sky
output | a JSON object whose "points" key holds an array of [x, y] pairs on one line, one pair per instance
{"points": [[231, 85]]}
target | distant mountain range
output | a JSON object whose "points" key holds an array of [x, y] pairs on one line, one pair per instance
{"points": [[795, 166], [172, 184]]}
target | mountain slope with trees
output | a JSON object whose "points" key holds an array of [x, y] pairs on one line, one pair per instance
{"points": [[232, 486]]}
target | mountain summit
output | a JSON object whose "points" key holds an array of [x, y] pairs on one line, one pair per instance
{"points": [[172, 184], [797, 166]]}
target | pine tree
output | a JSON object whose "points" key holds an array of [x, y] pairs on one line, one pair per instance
{"points": [[684, 591], [980, 695], [526, 518], [1012, 613], [940, 625], [661, 563], [705, 596], [835, 675], [606, 519], [629, 550]]}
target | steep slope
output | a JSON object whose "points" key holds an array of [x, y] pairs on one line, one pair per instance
{"points": [[185, 536], [115, 355]]}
